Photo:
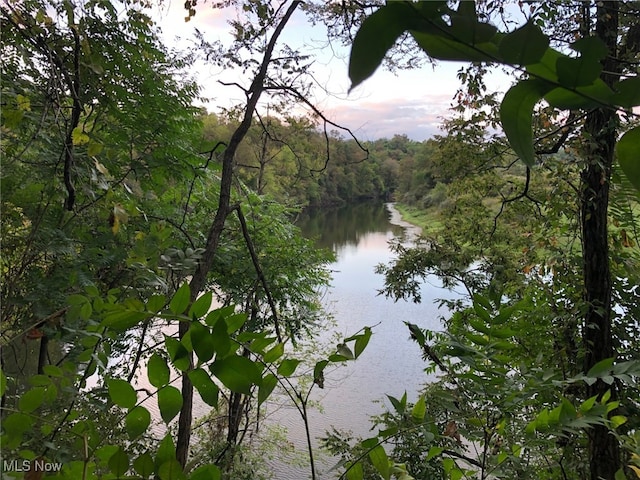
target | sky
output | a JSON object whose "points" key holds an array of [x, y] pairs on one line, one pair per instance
{"points": [[411, 102]]}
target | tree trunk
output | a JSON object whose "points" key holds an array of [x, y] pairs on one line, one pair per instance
{"points": [[199, 279], [600, 139]]}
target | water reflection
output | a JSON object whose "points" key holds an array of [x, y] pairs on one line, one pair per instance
{"points": [[392, 363], [335, 228]]}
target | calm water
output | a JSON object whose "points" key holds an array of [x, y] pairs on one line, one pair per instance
{"points": [[391, 364]]}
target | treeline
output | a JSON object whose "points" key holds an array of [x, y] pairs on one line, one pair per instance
{"points": [[291, 160]]}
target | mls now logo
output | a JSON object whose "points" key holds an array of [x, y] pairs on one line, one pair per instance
{"points": [[37, 465]]}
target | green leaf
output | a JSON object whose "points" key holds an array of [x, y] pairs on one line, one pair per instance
{"points": [[158, 371], [206, 472], [31, 400], [3, 383], [171, 470], [269, 382], [202, 341], [201, 306], [318, 373], [78, 137], [377, 34], [628, 150], [617, 420], [169, 402], [235, 322], [602, 367], [577, 72], [465, 27], [274, 354], [444, 48], [52, 371], [419, 409], [143, 465], [14, 427], [287, 367], [590, 96], [156, 303], [177, 353], [221, 340], [238, 374], [122, 393], [123, 320], [627, 93], [380, 461], [516, 114], [524, 46], [180, 300], [119, 462], [361, 342], [137, 421], [166, 452], [355, 471], [206, 387], [433, 452]]}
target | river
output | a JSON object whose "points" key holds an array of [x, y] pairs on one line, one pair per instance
{"points": [[391, 364]]}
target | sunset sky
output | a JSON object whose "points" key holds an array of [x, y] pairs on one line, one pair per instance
{"points": [[411, 102]]}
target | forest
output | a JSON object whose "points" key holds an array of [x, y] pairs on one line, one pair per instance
{"points": [[151, 258]]}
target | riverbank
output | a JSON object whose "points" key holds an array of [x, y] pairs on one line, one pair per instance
{"points": [[418, 221]]}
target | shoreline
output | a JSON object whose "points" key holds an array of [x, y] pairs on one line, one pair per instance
{"points": [[412, 230]]}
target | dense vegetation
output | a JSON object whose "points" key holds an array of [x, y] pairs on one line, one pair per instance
{"points": [[148, 250]]}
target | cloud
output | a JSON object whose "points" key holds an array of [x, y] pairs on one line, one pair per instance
{"points": [[419, 119]]}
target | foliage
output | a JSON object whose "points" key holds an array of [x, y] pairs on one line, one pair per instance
{"points": [[535, 241], [563, 81]]}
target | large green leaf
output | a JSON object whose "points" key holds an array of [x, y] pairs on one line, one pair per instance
{"points": [[169, 402], [122, 320], [206, 387], [355, 471], [274, 353], [287, 367], [158, 371], [31, 400], [577, 72], [419, 409], [137, 421], [143, 465], [524, 46], [122, 393], [178, 354], [201, 306], [221, 340], [206, 472], [627, 93], [14, 426], [516, 114], [238, 374], [628, 149], [466, 28], [584, 70], [166, 452], [267, 385], [377, 34], [443, 47], [380, 461], [202, 341], [180, 300], [119, 463], [591, 96], [171, 470]]}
